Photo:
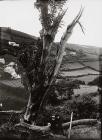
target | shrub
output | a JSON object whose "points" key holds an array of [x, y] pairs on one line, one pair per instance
{"points": [[96, 81], [44, 117], [64, 89], [84, 107]]}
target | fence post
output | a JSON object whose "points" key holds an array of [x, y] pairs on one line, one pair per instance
{"points": [[70, 126]]}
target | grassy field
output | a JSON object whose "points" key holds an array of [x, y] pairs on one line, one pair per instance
{"points": [[72, 66], [86, 49], [85, 89], [87, 78], [94, 65], [90, 57], [79, 72], [12, 98]]}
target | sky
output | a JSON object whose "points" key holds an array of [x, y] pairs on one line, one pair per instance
{"points": [[23, 16]]}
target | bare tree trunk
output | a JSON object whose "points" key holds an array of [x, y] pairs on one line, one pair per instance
{"points": [[60, 54], [34, 101], [26, 115]]}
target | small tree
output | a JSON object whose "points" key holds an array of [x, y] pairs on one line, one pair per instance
{"points": [[37, 66]]}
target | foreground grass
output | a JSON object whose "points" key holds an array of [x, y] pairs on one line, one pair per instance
{"points": [[12, 98]]}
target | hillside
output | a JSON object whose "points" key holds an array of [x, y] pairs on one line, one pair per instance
{"points": [[79, 63], [86, 49]]}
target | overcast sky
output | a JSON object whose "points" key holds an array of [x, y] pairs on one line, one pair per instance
{"points": [[21, 15]]}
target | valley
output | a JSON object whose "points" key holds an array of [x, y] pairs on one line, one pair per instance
{"points": [[83, 65]]}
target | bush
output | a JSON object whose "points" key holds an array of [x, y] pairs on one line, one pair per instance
{"points": [[84, 107], [53, 97], [96, 81], [44, 117], [63, 88]]}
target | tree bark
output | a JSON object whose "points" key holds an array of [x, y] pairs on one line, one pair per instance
{"points": [[35, 99]]}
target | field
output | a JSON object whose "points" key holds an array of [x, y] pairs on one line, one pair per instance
{"points": [[86, 49], [72, 66], [94, 65], [76, 73], [87, 78], [90, 57], [12, 98], [85, 89]]}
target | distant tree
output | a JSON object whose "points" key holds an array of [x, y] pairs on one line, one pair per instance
{"points": [[85, 107], [96, 81], [37, 66], [66, 87]]}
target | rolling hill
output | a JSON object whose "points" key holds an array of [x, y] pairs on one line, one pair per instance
{"points": [[79, 62]]}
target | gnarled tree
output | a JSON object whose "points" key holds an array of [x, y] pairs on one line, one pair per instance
{"points": [[37, 63]]}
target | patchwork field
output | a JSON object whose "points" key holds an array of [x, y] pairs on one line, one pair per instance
{"points": [[85, 89], [90, 56], [80, 63], [94, 65], [87, 78], [72, 66], [79, 72]]}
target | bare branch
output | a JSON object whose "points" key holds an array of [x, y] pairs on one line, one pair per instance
{"points": [[81, 26], [64, 39]]}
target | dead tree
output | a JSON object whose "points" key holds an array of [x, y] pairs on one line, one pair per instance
{"points": [[37, 65]]}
